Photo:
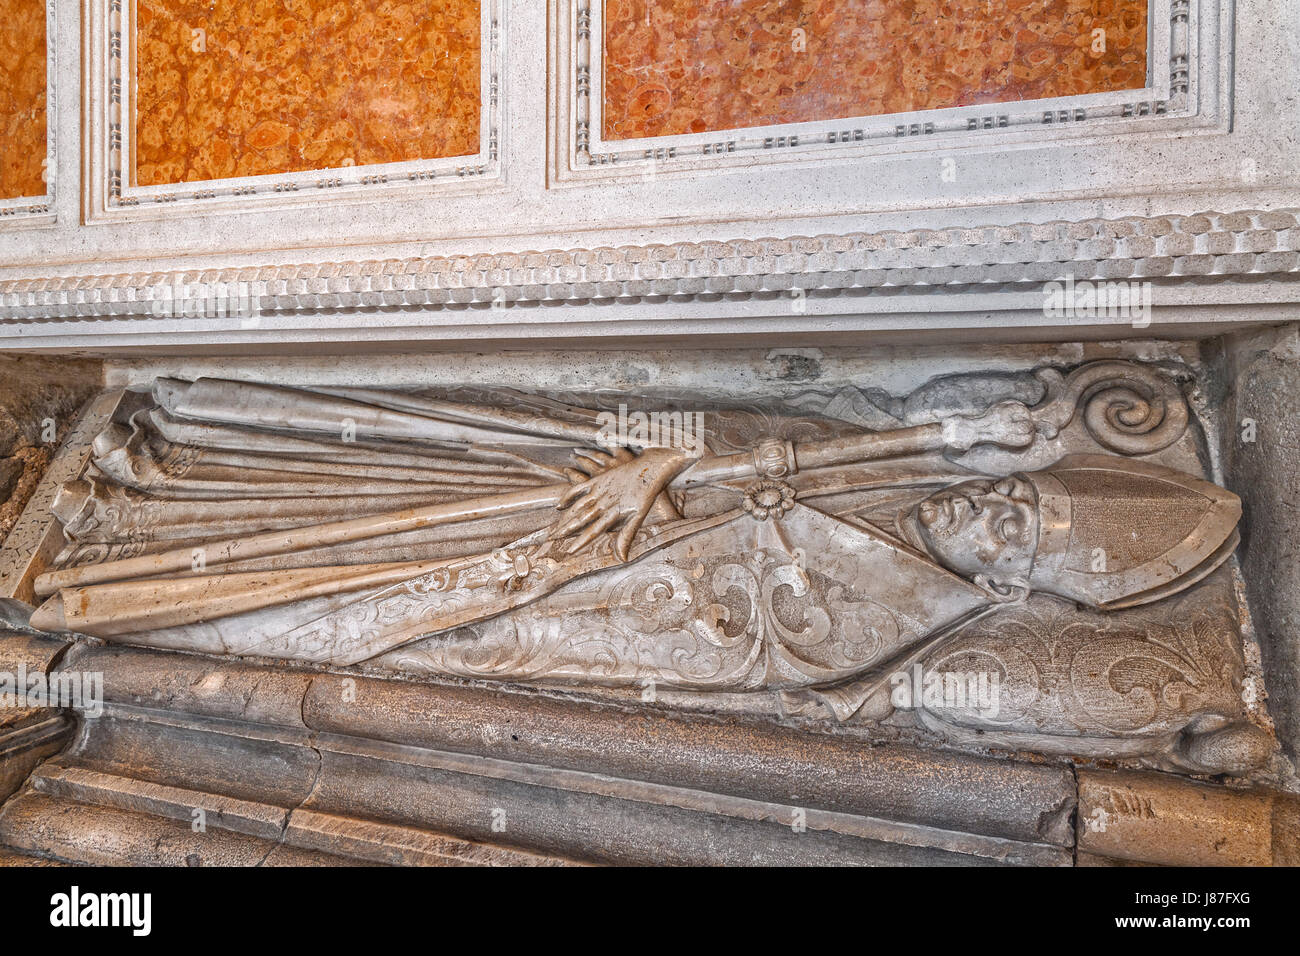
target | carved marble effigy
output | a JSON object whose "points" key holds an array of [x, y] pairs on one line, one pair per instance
{"points": [[1050, 535]]}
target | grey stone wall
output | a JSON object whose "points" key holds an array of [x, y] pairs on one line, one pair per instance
{"points": [[1261, 459], [39, 398]]}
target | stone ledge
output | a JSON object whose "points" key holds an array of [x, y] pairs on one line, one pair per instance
{"points": [[28, 735], [1210, 245], [782, 766], [268, 757], [27, 744], [36, 824], [297, 766], [1158, 818], [337, 838]]}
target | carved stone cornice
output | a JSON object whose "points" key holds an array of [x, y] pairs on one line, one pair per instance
{"points": [[1214, 246]]}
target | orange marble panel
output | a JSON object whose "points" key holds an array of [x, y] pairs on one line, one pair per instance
{"points": [[682, 66], [22, 98], [249, 87]]}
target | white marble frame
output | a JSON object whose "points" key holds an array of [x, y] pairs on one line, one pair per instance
{"points": [[108, 69], [39, 210], [882, 247], [1187, 88]]}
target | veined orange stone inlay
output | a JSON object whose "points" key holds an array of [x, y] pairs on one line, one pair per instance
{"points": [[248, 87], [683, 66], [22, 98]]}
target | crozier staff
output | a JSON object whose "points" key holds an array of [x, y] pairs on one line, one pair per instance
{"points": [[623, 488]]}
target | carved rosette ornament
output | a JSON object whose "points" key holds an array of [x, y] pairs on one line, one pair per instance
{"points": [[768, 499]]}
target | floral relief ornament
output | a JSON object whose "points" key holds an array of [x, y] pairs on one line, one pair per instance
{"points": [[768, 498]]}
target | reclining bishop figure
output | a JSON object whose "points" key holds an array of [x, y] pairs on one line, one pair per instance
{"points": [[512, 538]]}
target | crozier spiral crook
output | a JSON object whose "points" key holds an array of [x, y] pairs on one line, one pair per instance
{"points": [[1127, 408]]}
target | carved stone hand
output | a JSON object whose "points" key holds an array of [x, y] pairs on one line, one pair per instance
{"points": [[1009, 424], [621, 490]]}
